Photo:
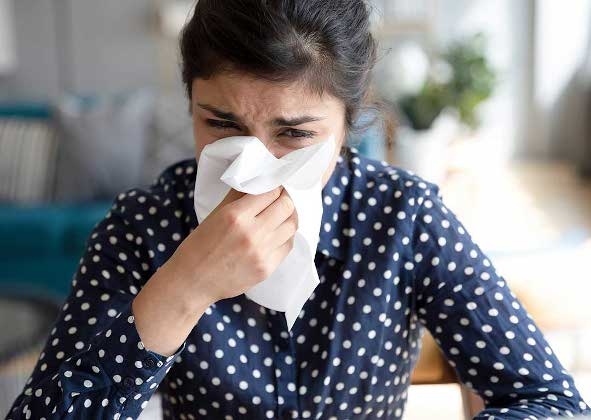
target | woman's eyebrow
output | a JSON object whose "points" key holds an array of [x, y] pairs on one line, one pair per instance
{"points": [[296, 121], [290, 122], [219, 113]]}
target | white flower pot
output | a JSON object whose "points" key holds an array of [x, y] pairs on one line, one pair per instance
{"points": [[425, 152]]}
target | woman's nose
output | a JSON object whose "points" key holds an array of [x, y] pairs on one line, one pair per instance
{"points": [[270, 144]]}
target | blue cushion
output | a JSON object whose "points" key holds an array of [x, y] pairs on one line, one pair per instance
{"points": [[48, 230], [40, 247], [30, 231], [37, 110], [48, 277], [80, 223]]}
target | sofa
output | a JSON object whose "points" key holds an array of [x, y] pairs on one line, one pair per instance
{"points": [[40, 246]]}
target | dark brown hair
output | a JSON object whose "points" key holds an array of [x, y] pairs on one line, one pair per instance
{"points": [[325, 43]]}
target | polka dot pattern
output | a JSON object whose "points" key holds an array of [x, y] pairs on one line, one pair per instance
{"points": [[392, 259]]}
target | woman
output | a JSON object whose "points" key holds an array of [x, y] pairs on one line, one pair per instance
{"points": [[158, 298]]}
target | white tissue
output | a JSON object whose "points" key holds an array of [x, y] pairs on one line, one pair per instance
{"points": [[245, 164]]}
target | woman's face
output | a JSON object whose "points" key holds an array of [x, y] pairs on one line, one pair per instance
{"points": [[285, 117]]}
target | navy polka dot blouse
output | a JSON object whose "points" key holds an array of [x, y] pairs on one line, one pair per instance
{"points": [[392, 259]]}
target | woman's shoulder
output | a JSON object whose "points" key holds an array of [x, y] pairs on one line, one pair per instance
{"points": [[175, 179], [384, 181], [370, 202], [166, 200], [170, 185]]}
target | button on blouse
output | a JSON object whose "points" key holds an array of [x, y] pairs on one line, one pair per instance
{"points": [[392, 259]]}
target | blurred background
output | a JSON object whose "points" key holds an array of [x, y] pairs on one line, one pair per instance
{"points": [[493, 101]]}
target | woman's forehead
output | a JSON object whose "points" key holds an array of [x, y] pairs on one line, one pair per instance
{"points": [[247, 96]]}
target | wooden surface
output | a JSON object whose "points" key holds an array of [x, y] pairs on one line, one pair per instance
{"points": [[432, 368]]}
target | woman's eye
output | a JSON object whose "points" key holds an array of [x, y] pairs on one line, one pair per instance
{"points": [[291, 133], [298, 133], [222, 124]]}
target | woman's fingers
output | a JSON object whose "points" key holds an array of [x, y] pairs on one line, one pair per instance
{"points": [[277, 213], [250, 205], [273, 212], [279, 254], [232, 250], [230, 197], [283, 233]]}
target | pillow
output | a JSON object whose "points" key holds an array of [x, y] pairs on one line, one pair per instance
{"points": [[101, 144], [172, 134], [27, 160]]}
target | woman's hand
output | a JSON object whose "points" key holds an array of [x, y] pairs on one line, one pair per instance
{"points": [[238, 245]]}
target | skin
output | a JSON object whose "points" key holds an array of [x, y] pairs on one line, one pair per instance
{"points": [[256, 103], [247, 236]]}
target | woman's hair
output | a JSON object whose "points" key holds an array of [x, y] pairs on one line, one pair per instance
{"points": [[327, 44]]}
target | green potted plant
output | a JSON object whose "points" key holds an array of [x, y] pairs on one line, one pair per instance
{"points": [[458, 81]]}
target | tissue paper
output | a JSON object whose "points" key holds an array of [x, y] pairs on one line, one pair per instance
{"points": [[245, 164]]}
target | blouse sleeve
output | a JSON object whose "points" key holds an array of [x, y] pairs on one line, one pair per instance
{"points": [[484, 331], [94, 364]]}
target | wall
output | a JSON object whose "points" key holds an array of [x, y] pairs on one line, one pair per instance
{"points": [[7, 48], [36, 50], [507, 25], [562, 79], [82, 45]]}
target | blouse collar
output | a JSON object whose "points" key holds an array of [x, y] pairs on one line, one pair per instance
{"points": [[332, 239]]}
